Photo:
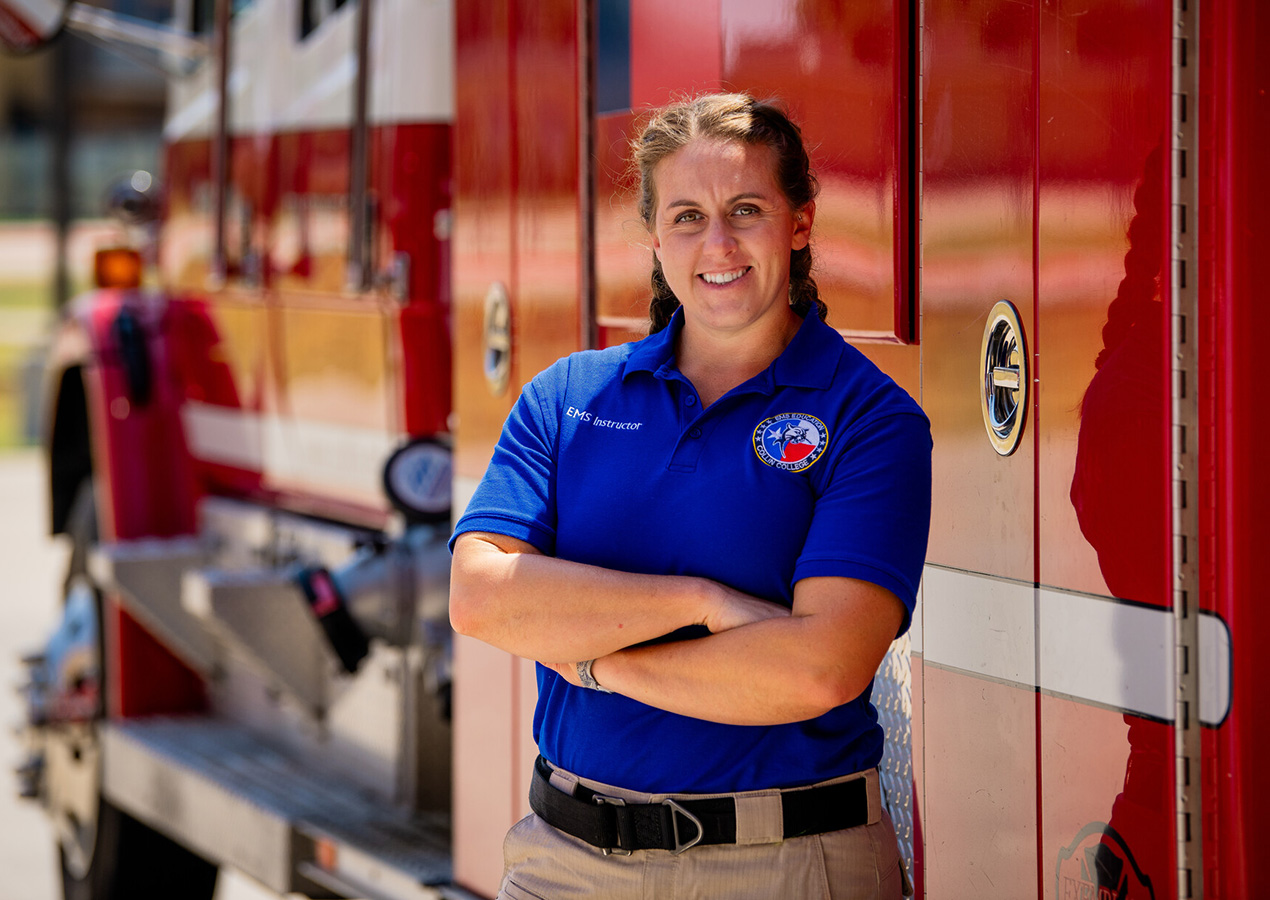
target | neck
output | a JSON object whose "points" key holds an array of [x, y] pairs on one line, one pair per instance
{"points": [[717, 362]]}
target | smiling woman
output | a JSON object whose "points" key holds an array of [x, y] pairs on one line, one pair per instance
{"points": [[723, 234], [708, 540]]}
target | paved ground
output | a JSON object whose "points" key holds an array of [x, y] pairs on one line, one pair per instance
{"points": [[30, 563]]}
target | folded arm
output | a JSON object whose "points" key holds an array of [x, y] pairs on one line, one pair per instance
{"points": [[768, 672], [505, 593]]}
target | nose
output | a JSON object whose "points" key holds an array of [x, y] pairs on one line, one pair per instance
{"points": [[719, 238]]}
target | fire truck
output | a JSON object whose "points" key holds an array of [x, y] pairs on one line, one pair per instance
{"points": [[379, 218]]}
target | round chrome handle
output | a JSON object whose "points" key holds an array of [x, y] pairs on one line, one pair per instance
{"points": [[1004, 378], [497, 335]]}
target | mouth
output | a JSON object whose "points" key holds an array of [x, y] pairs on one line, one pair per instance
{"points": [[723, 277]]}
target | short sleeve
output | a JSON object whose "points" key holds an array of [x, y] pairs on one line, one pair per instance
{"points": [[517, 495], [872, 520]]}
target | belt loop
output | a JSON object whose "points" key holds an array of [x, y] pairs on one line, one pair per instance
{"points": [[873, 790], [759, 819]]}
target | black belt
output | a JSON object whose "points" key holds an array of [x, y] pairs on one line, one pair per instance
{"points": [[619, 827]]}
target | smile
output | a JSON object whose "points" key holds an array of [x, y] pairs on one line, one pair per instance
{"points": [[724, 277]]}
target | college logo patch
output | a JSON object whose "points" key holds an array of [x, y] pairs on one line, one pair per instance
{"points": [[790, 441]]}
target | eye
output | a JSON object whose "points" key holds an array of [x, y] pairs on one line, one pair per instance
{"points": [[689, 216], [745, 211]]}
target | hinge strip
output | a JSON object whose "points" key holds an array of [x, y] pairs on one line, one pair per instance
{"points": [[1184, 320]]}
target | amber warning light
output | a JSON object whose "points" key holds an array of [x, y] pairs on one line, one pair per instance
{"points": [[117, 267]]}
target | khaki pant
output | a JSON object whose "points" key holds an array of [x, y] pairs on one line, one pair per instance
{"points": [[543, 863]]}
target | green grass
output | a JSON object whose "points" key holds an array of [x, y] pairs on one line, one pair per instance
{"points": [[14, 351], [11, 414], [25, 295]]}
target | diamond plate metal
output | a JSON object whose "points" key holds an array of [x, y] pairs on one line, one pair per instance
{"points": [[893, 698]]}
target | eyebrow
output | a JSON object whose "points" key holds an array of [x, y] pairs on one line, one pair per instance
{"points": [[748, 195]]}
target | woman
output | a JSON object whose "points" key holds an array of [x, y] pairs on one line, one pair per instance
{"points": [[708, 540]]}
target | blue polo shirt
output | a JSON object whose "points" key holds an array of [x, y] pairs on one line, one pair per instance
{"points": [[819, 465]]}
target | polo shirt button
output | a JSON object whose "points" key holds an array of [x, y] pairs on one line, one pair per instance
{"points": [[690, 400], [694, 432]]}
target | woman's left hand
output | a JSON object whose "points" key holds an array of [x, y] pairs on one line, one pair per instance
{"points": [[567, 671]]}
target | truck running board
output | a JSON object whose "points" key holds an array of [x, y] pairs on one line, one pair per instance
{"points": [[239, 801]]}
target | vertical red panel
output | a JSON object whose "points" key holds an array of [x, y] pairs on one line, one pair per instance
{"points": [[484, 180], [979, 818], [1234, 116], [547, 303], [517, 223], [1104, 514], [145, 488], [410, 174], [977, 208]]}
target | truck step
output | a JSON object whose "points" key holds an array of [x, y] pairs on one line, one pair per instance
{"points": [[239, 800]]}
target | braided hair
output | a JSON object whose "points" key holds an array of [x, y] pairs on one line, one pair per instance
{"points": [[728, 117]]}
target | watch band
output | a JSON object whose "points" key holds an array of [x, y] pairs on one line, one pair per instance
{"points": [[587, 679]]}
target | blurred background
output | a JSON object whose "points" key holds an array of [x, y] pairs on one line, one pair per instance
{"points": [[74, 118]]}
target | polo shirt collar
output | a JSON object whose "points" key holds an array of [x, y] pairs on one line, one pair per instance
{"points": [[810, 360]]}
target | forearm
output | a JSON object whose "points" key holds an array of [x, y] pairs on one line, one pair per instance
{"points": [[767, 673], [550, 609], [773, 671]]}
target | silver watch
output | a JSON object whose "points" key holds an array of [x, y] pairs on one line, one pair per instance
{"points": [[587, 679]]}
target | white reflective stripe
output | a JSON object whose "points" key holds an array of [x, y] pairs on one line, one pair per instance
{"points": [[979, 624], [330, 458], [915, 630], [1093, 649], [1116, 654], [1214, 669], [222, 435]]}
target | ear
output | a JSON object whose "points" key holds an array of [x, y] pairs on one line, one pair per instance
{"points": [[802, 225], [656, 244]]}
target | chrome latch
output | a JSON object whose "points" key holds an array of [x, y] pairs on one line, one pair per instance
{"points": [[1004, 378]]}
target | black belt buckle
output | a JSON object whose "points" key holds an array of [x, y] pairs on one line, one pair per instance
{"points": [[601, 800], [680, 844]]}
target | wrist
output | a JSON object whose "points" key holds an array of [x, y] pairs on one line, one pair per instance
{"points": [[587, 676], [706, 597]]}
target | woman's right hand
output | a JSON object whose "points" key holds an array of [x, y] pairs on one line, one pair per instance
{"points": [[728, 608]]}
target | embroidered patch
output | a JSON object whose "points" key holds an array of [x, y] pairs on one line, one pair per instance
{"points": [[790, 441]]}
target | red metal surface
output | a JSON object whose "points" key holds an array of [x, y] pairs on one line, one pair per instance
{"points": [[1235, 427], [676, 47], [145, 488], [980, 811], [1103, 423], [485, 714], [849, 93], [979, 148], [517, 216], [290, 337]]}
